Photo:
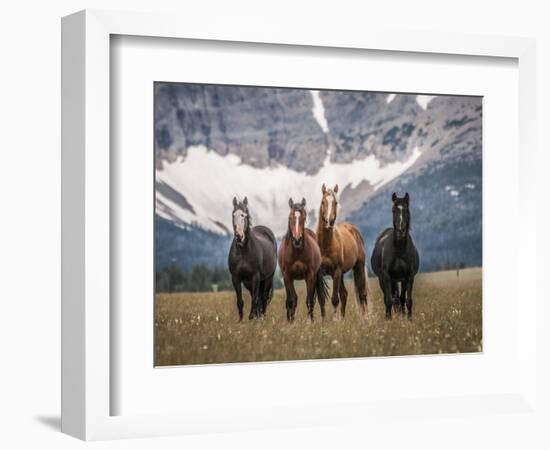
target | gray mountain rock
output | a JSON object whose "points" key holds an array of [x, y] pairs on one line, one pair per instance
{"points": [[260, 125], [268, 126]]}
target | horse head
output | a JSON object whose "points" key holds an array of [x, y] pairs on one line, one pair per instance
{"points": [[401, 215], [297, 222], [329, 206], [241, 220]]}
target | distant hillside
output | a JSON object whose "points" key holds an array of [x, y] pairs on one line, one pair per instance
{"points": [[216, 142]]}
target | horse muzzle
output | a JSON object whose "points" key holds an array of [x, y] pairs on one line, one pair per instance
{"points": [[297, 243]]}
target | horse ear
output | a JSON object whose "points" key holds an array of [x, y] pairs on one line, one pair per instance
{"points": [[303, 202], [323, 188], [245, 201], [235, 202], [290, 202], [335, 189], [406, 198], [394, 197]]}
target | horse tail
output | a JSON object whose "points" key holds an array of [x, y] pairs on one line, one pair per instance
{"points": [[321, 290], [361, 283], [269, 295]]}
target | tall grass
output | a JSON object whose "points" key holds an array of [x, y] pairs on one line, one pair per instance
{"points": [[201, 328]]}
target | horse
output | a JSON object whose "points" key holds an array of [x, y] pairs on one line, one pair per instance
{"points": [[342, 249], [252, 260], [300, 259], [395, 259]]}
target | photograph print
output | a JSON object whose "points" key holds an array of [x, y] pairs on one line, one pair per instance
{"points": [[300, 224]]}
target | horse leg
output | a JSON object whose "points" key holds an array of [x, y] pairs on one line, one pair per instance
{"points": [[310, 298], [294, 301], [320, 291], [386, 285], [343, 296], [409, 300], [291, 298], [254, 294], [336, 278], [288, 303], [267, 293], [403, 297], [395, 295], [260, 311], [239, 291], [294, 297]]}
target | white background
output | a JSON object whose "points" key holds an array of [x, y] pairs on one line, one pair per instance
{"points": [[30, 236]]}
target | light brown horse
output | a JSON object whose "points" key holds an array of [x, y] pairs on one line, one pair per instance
{"points": [[342, 249], [300, 259]]}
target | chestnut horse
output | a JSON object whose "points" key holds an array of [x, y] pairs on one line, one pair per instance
{"points": [[300, 259], [342, 249]]}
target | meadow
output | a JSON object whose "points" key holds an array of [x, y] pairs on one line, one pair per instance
{"points": [[202, 328]]}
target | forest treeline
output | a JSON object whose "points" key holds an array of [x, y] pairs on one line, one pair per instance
{"points": [[200, 278]]}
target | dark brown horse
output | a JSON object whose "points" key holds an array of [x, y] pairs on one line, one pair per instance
{"points": [[252, 260], [342, 249], [300, 259]]}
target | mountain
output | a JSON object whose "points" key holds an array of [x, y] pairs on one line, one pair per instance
{"points": [[262, 126], [216, 142]]}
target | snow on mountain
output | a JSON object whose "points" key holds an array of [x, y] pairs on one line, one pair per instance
{"points": [[215, 142], [424, 100], [208, 181], [319, 111]]}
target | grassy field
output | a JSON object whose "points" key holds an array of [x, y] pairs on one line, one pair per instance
{"points": [[200, 328]]}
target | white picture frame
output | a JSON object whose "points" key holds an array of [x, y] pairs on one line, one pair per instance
{"points": [[87, 386]]}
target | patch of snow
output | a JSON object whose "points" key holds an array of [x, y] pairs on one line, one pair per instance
{"points": [[454, 193], [470, 186], [448, 187], [390, 97], [185, 215], [209, 182], [319, 111], [424, 100]]}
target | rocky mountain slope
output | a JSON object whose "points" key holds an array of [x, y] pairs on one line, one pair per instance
{"points": [[214, 142]]}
